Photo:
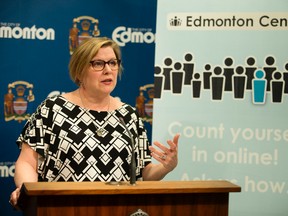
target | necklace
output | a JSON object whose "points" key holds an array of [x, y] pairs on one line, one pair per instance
{"points": [[100, 131]]}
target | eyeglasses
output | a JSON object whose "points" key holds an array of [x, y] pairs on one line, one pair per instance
{"points": [[99, 65]]}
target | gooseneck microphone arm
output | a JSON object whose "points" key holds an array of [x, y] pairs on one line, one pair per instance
{"points": [[133, 162]]}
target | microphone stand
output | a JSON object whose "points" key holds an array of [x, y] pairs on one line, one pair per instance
{"points": [[133, 162]]}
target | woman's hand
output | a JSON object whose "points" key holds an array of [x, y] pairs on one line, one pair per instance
{"points": [[167, 156], [25, 171], [14, 198]]}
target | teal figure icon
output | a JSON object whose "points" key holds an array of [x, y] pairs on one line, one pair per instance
{"points": [[259, 85]]}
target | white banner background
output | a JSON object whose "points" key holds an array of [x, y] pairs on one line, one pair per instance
{"points": [[230, 138]]}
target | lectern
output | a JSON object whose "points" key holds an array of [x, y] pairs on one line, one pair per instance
{"points": [[193, 198]]}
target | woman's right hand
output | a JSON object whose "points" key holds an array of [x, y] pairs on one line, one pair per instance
{"points": [[14, 198]]}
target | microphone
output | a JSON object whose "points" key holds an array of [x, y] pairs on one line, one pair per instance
{"points": [[133, 162]]}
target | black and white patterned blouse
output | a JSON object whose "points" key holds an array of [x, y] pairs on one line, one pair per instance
{"points": [[64, 136]]}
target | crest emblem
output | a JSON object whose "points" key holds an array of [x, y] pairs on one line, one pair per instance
{"points": [[139, 212], [16, 101], [84, 27], [144, 102]]}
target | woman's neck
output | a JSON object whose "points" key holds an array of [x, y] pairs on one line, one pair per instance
{"points": [[94, 102]]}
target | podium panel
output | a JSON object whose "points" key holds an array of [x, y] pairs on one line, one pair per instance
{"points": [[195, 198]]}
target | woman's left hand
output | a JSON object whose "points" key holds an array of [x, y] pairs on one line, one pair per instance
{"points": [[167, 156]]}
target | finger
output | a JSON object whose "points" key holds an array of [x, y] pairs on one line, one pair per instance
{"points": [[13, 201], [14, 197], [173, 144], [176, 139], [156, 152], [158, 157], [161, 146]]}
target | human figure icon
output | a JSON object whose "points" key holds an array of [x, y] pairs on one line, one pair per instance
{"points": [[277, 87], [167, 73], [196, 86], [206, 76], [249, 71], [269, 69], [158, 82], [188, 68], [217, 83], [239, 83], [285, 78], [177, 78], [259, 85], [175, 21], [228, 72]]}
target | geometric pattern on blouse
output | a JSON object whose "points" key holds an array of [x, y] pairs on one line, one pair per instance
{"points": [[64, 135]]}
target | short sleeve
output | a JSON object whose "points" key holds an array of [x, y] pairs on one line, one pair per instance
{"points": [[33, 132]]}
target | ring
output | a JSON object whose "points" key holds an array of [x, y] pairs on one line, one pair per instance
{"points": [[163, 157]]}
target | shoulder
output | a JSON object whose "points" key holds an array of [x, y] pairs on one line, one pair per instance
{"points": [[127, 107], [57, 99], [50, 102], [117, 104], [121, 107], [129, 112]]}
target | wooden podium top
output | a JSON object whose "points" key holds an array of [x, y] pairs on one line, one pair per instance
{"points": [[141, 187]]}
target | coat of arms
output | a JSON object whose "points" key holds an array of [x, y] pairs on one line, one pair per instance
{"points": [[16, 101], [144, 102], [83, 27]]}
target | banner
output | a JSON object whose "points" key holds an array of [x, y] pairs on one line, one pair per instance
{"points": [[221, 81], [37, 38]]}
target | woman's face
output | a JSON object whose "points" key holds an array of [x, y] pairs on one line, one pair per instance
{"points": [[101, 81]]}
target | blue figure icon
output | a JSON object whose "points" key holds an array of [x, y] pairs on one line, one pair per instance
{"points": [[259, 85]]}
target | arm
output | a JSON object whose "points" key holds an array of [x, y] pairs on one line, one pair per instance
{"points": [[167, 158], [25, 170]]}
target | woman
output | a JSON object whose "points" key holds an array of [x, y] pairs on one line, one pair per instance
{"points": [[79, 136]]}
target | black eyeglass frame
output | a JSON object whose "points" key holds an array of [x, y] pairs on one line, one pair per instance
{"points": [[105, 62]]}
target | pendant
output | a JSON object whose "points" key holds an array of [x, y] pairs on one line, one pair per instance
{"points": [[100, 132]]}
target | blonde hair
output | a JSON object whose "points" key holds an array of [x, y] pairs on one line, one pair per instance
{"points": [[81, 57]]}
